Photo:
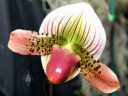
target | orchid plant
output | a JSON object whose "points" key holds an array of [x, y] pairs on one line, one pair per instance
{"points": [[70, 41]]}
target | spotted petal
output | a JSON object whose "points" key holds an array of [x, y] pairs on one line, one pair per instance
{"points": [[102, 78], [30, 43]]}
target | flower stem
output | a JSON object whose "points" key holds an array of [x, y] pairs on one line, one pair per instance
{"points": [[51, 89]]}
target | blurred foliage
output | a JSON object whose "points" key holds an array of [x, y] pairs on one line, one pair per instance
{"points": [[79, 93]]}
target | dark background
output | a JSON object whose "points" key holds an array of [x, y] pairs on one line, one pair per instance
{"points": [[24, 14]]}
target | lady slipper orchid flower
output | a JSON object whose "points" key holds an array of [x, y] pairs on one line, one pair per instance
{"points": [[70, 41]]}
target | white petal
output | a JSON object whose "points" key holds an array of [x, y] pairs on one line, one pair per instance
{"points": [[89, 27]]}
